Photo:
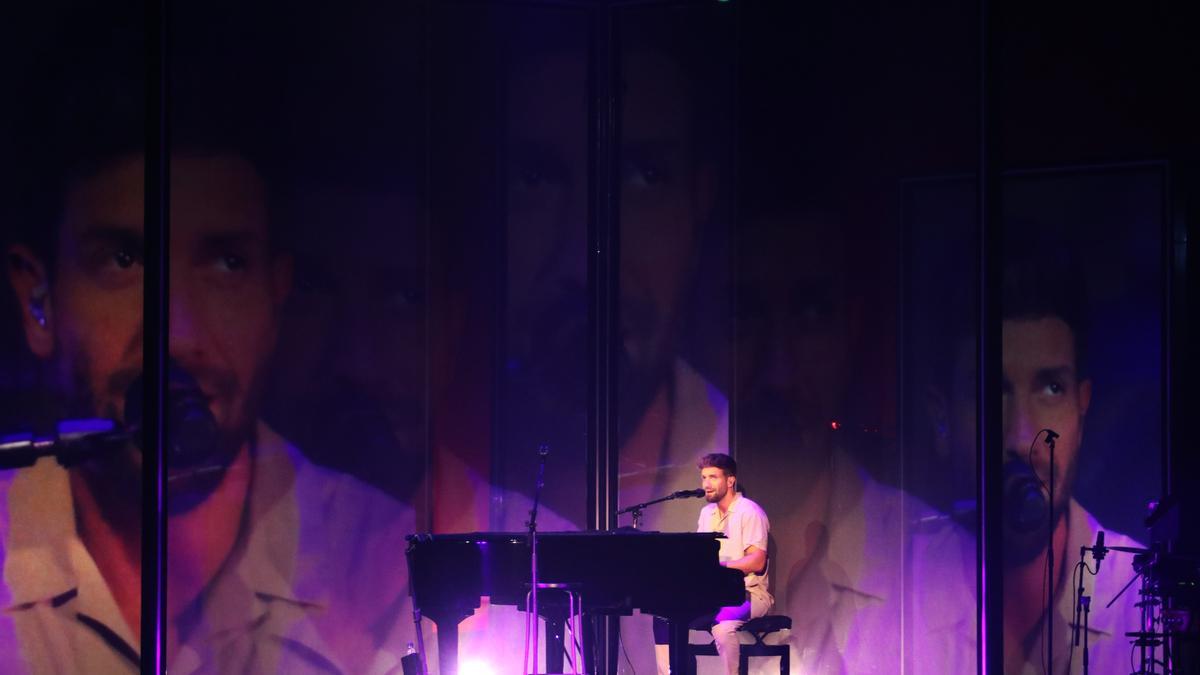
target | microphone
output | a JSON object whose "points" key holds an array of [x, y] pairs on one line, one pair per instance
{"points": [[1051, 436], [678, 494], [195, 454], [73, 441], [1099, 551], [1025, 504], [193, 440]]}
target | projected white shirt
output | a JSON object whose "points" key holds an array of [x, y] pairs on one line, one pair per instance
{"points": [[317, 581]]}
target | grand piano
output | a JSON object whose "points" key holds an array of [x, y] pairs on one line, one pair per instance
{"points": [[674, 575]]}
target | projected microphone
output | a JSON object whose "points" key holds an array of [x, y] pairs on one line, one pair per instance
{"points": [[1025, 504], [195, 454], [678, 494], [193, 439], [72, 442]]}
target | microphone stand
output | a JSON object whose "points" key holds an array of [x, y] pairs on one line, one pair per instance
{"points": [[1079, 594], [1050, 581], [636, 509], [531, 606], [1083, 603], [1086, 601]]}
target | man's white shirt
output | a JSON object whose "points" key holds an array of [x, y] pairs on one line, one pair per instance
{"points": [[316, 583]]}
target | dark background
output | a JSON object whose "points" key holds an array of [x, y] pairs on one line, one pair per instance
{"points": [[837, 104]]}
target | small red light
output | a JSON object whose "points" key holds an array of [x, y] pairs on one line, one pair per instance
{"points": [[834, 425]]}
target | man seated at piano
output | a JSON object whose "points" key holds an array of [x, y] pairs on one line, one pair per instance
{"points": [[744, 548]]}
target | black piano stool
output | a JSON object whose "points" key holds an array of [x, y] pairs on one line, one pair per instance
{"points": [[759, 628]]}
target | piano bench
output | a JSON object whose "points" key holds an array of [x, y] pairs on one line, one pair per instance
{"points": [[760, 628]]}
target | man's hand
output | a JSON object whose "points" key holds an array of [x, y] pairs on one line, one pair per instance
{"points": [[754, 562]]}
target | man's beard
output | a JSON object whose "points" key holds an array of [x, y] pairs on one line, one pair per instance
{"points": [[114, 479], [349, 428], [77, 398], [547, 375], [545, 399], [117, 479], [770, 427], [1022, 547], [201, 447]]}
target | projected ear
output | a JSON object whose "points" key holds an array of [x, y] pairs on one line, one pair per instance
{"points": [[30, 284]]}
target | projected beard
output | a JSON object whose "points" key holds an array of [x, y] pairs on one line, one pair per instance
{"points": [[201, 443], [797, 445], [348, 380], [547, 371], [199, 448], [81, 391], [794, 347], [1022, 544], [347, 414]]}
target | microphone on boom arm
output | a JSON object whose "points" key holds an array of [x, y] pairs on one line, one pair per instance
{"points": [[195, 453], [1099, 550], [73, 441]]}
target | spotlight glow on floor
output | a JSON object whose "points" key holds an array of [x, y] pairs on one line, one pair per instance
{"points": [[475, 667]]}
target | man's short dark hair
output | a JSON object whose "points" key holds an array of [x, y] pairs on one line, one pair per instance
{"points": [[1044, 288], [718, 460], [83, 106]]}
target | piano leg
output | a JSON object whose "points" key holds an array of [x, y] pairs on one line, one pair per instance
{"points": [[447, 638], [681, 662]]}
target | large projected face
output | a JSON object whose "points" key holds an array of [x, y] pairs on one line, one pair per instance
{"points": [[794, 322], [225, 286], [661, 202], [1043, 390], [348, 382]]}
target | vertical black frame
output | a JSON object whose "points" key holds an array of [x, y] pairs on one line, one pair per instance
{"points": [[603, 271], [989, 439], [154, 336], [603, 444]]}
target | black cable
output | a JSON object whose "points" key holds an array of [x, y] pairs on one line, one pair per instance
{"points": [[621, 641], [1046, 653], [1045, 616], [1050, 580], [1045, 561], [1029, 458]]}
